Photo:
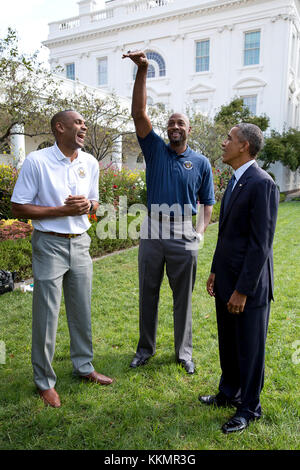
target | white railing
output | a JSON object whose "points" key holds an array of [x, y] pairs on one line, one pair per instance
{"points": [[69, 24], [102, 15], [146, 5], [128, 8]]}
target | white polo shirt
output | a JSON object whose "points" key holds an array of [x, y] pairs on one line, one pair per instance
{"points": [[47, 178]]}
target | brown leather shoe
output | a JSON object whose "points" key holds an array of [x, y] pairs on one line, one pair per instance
{"points": [[50, 397], [98, 378]]}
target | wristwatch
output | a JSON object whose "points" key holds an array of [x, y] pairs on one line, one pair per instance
{"points": [[91, 207]]}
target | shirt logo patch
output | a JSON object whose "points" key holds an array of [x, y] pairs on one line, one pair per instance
{"points": [[81, 172], [188, 165]]}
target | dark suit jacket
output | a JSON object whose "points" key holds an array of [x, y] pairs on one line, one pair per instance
{"points": [[243, 258]]}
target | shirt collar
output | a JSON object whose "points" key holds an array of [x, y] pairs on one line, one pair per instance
{"points": [[186, 153], [60, 156], [241, 170]]}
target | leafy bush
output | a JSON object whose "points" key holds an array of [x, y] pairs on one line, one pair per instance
{"points": [[115, 183], [221, 178], [8, 178]]}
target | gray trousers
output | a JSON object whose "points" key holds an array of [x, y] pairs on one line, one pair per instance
{"points": [[60, 263], [179, 255]]}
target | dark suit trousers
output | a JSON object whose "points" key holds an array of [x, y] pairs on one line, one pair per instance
{"points": [[242, 341], [179, 256]]}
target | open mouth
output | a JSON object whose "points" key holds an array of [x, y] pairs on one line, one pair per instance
{"points": [[175, 135], [81, 137]]}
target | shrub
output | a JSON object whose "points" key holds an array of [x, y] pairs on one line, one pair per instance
{"points": [[115, 183], [14, 229], [221, 178], [8, 178]]}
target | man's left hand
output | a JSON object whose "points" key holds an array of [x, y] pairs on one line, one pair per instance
{"points": [[236, 303], [80, 204]]}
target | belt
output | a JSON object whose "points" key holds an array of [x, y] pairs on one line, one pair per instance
{"points": [[64, 235], [160, 216]]}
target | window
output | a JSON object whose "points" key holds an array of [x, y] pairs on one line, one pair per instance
{"points": [[151, 71], [157, 66], [202, 56], [252, 48], [102, 71], [250, 102], [70, 71]]}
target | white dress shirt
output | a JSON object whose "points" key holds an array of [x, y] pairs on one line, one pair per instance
{"points": [[241, 170]]}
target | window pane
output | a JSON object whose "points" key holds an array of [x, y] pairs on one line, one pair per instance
{"points": [[102, 71], [252, 48], [202, 56], [70, 71], [151, 71], [250, 102], [159, 60]]}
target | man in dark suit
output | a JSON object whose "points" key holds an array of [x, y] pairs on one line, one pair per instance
{"points": [[241, 278]]}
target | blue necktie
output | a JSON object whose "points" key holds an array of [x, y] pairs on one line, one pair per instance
{"points": [[228, 192]]}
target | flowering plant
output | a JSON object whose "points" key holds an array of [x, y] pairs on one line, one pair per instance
{"points": [[13, 229], [221, 178], [114, 183]]}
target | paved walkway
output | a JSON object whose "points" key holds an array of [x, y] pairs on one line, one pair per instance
{"points": [[292, 195]]}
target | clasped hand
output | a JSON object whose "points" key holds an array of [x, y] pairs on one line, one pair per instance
{"points": [[77, 205]]}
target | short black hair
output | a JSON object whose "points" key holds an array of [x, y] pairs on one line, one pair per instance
{"points": [[252, 134], [59, 117]]}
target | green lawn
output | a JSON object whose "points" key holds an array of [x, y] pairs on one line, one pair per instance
{"points": [[154, 407]]}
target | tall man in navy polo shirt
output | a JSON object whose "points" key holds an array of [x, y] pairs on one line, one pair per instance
{"points": [[177, 177]]}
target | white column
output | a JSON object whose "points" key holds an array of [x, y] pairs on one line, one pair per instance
{"points": [[17, 145], [116, 155]]}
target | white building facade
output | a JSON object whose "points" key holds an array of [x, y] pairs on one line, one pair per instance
{"points": [[202, 54]]}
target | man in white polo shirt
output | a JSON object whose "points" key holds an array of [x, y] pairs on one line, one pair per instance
{"points": [[57, 188]]}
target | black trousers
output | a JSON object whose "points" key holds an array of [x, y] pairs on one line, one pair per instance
{"points": [[242, 340]]}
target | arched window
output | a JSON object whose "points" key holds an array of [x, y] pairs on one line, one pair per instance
{"points": [[157, 65], [154, 56], [44, 145]]}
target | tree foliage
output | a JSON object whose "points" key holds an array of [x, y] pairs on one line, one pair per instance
{"points": [[30, 95], [25, 96], [236, 112], [283, 147]]}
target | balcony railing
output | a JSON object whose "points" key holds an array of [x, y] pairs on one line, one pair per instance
{"points": [[69, 24], [146, 5], [121, 11]]}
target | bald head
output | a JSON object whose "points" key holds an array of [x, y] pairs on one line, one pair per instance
{"points": [[61, 116]]}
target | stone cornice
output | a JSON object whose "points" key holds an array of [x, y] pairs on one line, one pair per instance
{"points": [[208, 8]]}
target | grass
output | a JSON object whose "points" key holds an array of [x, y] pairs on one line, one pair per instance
{"points": [[154, 407]]}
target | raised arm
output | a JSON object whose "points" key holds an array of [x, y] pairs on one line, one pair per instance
{"points": [[139, 97]]}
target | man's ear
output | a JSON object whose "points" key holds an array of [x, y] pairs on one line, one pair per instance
{"points": [[245, 146], [60, 128]]}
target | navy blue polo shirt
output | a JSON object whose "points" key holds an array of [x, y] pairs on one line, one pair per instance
{"points": [[176, 179]]}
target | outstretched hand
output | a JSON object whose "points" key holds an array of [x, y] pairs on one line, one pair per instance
{"points": [[138, 57]]}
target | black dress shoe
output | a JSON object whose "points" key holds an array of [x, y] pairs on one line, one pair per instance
{"points": [[189, 366], [138, 361], [215, 400], [236, 423]]}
